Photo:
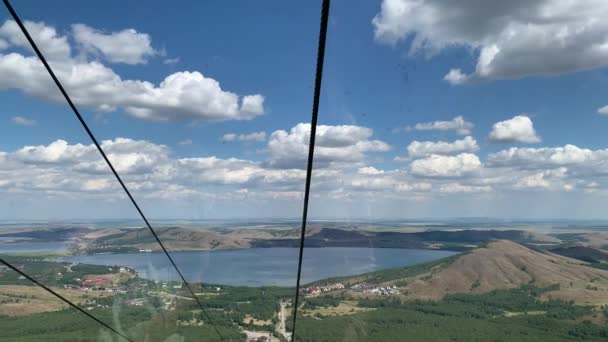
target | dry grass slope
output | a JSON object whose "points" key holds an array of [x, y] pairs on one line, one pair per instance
{"points": [[505, 264], [21, 300], [177, 239]]}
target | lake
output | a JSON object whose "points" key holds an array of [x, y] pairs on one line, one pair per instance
{"points": [[32, 247], [263, 266]]}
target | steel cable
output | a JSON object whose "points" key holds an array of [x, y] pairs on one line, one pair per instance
{"points": [[103, 154], [311, 149]]}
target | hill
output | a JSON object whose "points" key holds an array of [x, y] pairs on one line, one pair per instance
{"points": [[454, 240], [584, 253], [45, 233], [504, 265], [174, 238]]}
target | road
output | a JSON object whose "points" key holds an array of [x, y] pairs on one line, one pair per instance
{"points": [[282, 317], [164, 295]]}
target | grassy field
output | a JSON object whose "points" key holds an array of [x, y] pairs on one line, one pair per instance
{"points": [[22, 300], [347, 307]]}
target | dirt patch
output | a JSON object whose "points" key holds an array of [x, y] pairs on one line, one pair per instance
{"points": [[21, 300], [596, 295], [111, 278], [344, 308], [519, 313], [253, 335], [259, 322], [96, 234]]}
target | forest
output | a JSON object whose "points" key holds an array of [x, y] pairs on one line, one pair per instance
{"points": [[501, 315]]}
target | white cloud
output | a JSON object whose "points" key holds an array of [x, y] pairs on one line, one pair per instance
{"points": [[53, 46], [549, 157], [603, 110], [126, 46], [22, 121], [185, 142], [518, 129], [344, 144], [514, 38], [252, 105], [456, 76], [459, 188], [417, 149], [339, 136], [445, 166], [147, 168], [229, 137], [128, 156], [458, 124], [251, 137], [171, 60], [57, 152], [96, 184], [534, 181], [373, 183], [76, 171], [369, 170], [186, 95], [217, 170]]}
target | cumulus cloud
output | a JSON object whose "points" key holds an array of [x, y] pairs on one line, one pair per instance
{"points": [[148, 169], [417, 149], [457, 124], [223, 171], [126, 46], [252, 104], [250, 137], [151, 171], [128, 156], [518, 129], [549, 157], [344, 144], [54, 46], [21, 121], [514, 39], [563, 168], [186, 95], [58, 151], [445, 166], [603, 110], [369, 170], [456, 76]]}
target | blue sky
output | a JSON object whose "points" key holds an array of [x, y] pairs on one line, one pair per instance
{"points": [[427, 110]]}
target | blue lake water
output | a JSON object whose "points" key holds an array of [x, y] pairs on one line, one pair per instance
{"points": [[32, 247], [263, 266]]}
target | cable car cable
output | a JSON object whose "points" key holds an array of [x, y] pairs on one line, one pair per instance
{"points": [[311, 149], [105, 157]]}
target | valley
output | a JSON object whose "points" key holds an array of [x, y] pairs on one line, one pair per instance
{"points": [[499, 285]]}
